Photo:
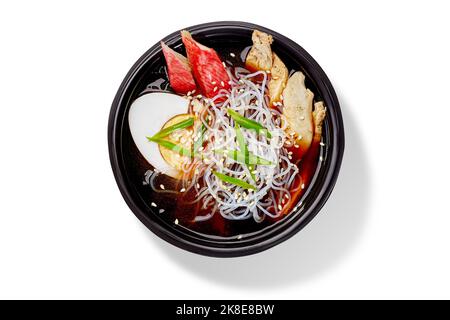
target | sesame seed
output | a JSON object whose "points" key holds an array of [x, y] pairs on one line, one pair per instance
{"points": [[162, 186], [239, 237], [302, 118], [182, 190], [199, 96], [286, 196], [215, 89], [161, 210], [224, 65], [153, 204], [275, 78], [222, 83], [176, 221], [296, 145], [322, 144], [197, 186], [321, 158], [213, 82], [268, 71], [232, 54], [303, 186], [280, 207]]}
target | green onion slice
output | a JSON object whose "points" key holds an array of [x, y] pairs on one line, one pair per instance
{"points": [[249, 159], [248, 123], [244, 150], [235, 181], [177, 126], [172, 146]]}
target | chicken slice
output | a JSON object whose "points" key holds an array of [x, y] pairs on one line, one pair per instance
{"points": [[318, 116], [260, 55], [298, 103], [279, 76], [309, 161]]}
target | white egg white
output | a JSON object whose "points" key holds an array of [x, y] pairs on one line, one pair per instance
{"points": [[146, 117]]}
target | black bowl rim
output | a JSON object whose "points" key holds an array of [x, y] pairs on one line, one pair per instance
{"points": [[321, 197]]}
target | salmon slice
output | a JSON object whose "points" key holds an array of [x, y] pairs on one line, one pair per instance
{"points": [[209, 72], [180, 75]]}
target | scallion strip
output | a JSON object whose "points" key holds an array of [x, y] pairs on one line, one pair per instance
{"points": [[251, 159], [248, 123], [243, 147], [172, 146], [177, 126], [235, 181]]}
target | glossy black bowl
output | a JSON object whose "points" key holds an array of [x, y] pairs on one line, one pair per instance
{"points": [[123, 152]]}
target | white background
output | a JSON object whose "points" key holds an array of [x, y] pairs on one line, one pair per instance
{"points": [[65, 231]]}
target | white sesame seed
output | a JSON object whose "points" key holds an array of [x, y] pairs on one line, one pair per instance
{"points": [[161, 210], [286, 196], [321, 158], [199, 96], [280, 207], [239, 237], [302, 118], [268, 71], [296, 145], [162, 186], [213, 82], [224, 64], [232, 54], [153, 204], [222, 83], [322, 144], [303, 186], [176, 221], [182, 190], [215, 89], [197, 186]]}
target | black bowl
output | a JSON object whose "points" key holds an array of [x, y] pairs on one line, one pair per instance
{"points": [[123, 152]]}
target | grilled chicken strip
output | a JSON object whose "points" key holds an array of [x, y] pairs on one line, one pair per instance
{"points": [[279, 76], [298, 103], [260, 55], [308, 163]]}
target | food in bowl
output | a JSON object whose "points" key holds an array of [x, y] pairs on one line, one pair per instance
{"points": [[233, 143]]}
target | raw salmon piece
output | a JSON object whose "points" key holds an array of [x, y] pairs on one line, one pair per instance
{"points": [[180, 74], [209, 72]]}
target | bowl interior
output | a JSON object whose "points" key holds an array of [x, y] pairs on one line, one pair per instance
{"points": [[129, 166]]}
